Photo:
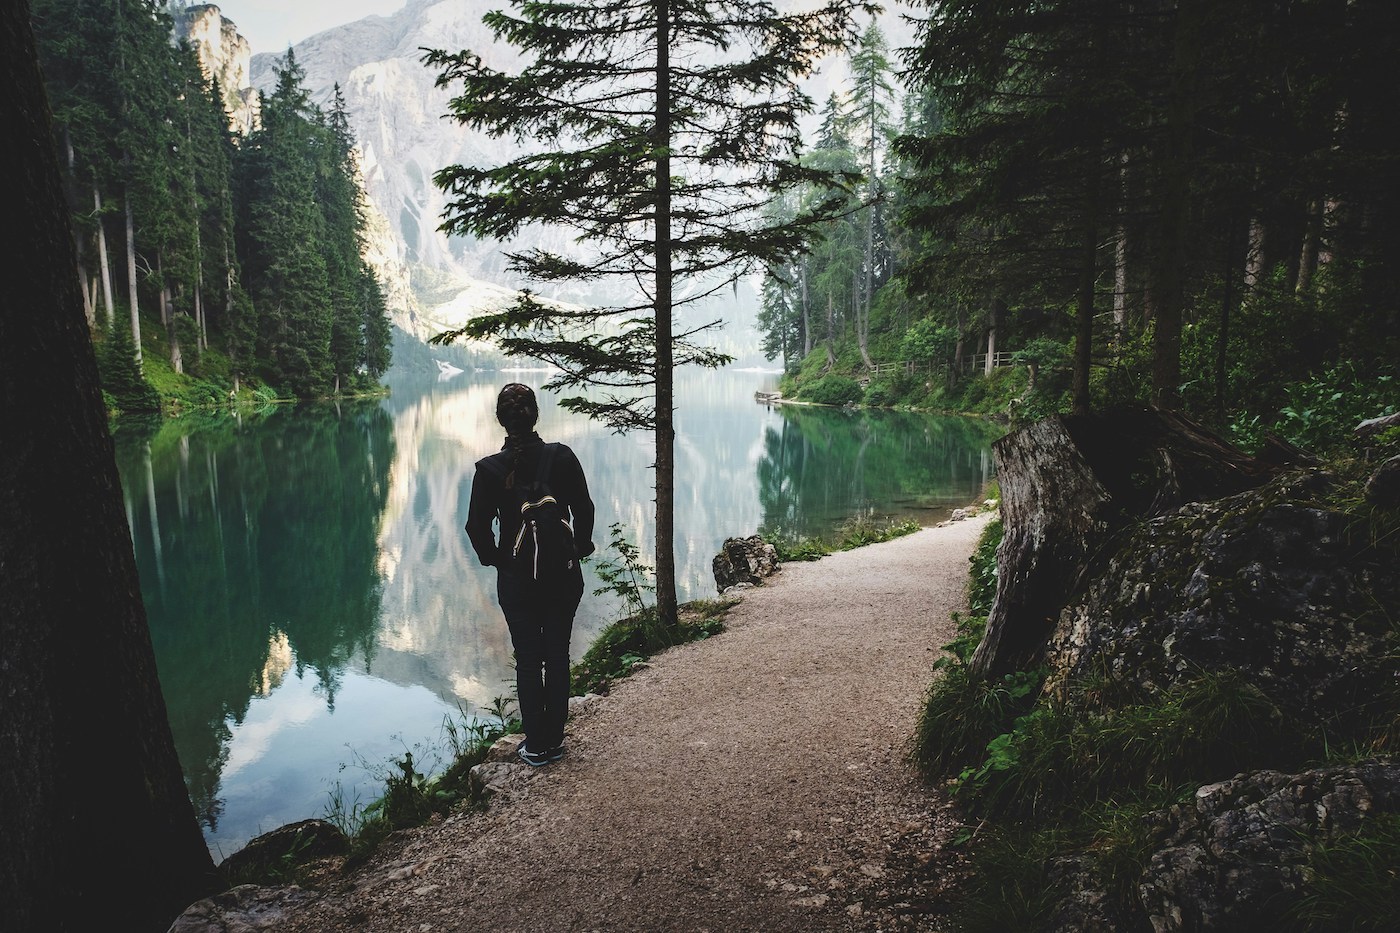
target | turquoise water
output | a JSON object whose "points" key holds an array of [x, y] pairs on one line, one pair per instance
{"points": [[316, 609]]}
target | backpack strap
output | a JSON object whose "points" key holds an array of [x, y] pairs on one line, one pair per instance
{"points": [[496, 464], [546, 462]]}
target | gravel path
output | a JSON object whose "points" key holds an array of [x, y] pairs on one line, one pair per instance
{"points": [[754, 781]]}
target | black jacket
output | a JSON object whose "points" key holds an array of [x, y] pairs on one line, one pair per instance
{"points": [[492, 502]]}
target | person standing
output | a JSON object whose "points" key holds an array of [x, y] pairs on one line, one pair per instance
{"points": [[539, 612]]}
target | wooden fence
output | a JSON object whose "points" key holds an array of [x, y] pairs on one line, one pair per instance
{"points": [[974, 363]]}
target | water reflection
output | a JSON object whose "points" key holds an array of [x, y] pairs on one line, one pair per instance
{"points": [[822, 465], [256, 540], [315, 603]]}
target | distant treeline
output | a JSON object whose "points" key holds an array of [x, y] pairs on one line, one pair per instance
{"points": [[246, 249]]}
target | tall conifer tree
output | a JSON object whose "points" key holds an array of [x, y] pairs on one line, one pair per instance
{"points": [[660, 134]]}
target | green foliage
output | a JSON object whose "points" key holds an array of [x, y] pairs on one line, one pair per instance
{"points": [[833, 389], [928, 340], [800, 548], [1355, 882], [1060, 756], [856, 531], [982, 583], [411, 797], [624, 645], [122, 379], [860, 530], [626, 576], [881, 395], [1320, 412], [961, 714]]}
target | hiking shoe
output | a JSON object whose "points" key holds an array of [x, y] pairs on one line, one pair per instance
{"points": [[534, 759], [555, 753]]}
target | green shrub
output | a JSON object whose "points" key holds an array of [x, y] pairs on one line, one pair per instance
{"points": [[834, 389], [881, 395], [1062, 755]]}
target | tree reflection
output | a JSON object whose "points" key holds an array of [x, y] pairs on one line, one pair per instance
{"points": [[257, 544], [821, 466]]}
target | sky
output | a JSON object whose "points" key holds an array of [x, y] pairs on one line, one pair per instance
{"points": [[272, 25]]}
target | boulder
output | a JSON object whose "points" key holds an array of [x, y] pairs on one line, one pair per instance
{"points": [[1265, 583], [247, 908], [274, 852], [1383, 488], [1236, 856], [1069, 485], [744, 560]]}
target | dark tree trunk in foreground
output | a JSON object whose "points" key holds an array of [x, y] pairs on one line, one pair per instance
{"points": [[97, 828], [1067, 483]]}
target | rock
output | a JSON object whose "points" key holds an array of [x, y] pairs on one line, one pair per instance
{"points": [[1383, 488], [502, 777], [1085, 906], [744, 560], [578, 703], [244, 909], [506, 747], [959, 515], [1264, 583], [1068, 484], [273, 853], [1236, 856], [1373, 426]]}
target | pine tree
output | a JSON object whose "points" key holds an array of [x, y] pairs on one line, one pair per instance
{"points": [[284, 265], [662, 133]]}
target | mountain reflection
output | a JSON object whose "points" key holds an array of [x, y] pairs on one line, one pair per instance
{"points": [[312, 560]]}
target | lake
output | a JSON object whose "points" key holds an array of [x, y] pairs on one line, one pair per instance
{"points": [[316, 608]]}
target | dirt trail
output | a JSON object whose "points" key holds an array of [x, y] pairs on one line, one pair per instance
{"points": [[754, 781]]}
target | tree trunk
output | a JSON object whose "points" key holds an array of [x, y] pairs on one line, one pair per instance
{"points": [[1084, 303], [1312, 238], [1227, 308], [998, 315], [665, 403], [1169, 280], [103, 259], [806, 311], [81, 696], [1067, 483], [1120, 264], [131, 280]]}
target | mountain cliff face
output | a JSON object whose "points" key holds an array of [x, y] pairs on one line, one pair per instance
{"points": [[432, 281], [225, 54]]}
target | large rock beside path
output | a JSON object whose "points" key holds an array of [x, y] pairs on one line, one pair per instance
{"points": [[744, 562]]}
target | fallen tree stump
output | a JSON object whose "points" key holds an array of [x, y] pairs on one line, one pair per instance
{"points": [[1068, 484]]}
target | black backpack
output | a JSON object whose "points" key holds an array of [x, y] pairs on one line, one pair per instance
{"points": [[543, 548]]}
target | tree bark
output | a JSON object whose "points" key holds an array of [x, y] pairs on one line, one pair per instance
{"points": [[131, 280], [1084, 303], [666, 599], [1067, 483], [103, 260], [97, 828]]}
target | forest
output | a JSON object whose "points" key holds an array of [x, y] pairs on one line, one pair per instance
{"points": [[1069, 204], [211, 262]]}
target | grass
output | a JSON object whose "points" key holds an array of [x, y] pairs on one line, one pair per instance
{"points": [[628, 643], [857, 531], [1355, 881]]}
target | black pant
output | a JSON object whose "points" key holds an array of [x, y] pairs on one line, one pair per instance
{"points": [[541, 619]]}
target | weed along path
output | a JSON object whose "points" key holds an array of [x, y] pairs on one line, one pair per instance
{"points": [[753, 781]]}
